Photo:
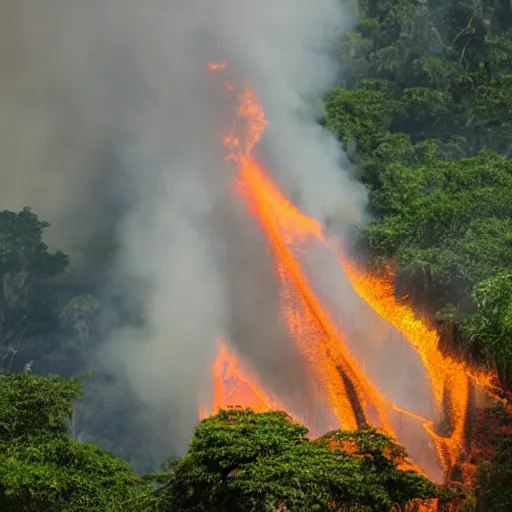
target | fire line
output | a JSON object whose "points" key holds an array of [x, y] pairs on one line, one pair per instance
{"points": [[346, 388]]}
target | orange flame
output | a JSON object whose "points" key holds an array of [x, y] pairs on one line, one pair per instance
{"points": [[346, 388], [451, 380], [215, 66], [234, 387]]}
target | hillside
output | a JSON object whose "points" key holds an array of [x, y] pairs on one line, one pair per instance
{"points": [[422, 109]]}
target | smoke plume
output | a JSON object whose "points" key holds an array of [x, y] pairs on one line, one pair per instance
{"points": [[110, 116]]}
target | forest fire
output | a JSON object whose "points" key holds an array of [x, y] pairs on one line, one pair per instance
{"points": [[234, 386], [349, 392]]}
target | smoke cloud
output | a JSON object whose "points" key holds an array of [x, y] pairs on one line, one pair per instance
{"points": [[110, 117]]}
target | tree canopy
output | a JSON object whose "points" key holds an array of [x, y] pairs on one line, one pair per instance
{"points": [[42, 468], [240, 460], [424, 110], [28, 308]]}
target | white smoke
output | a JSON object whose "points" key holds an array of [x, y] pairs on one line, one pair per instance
{"points": [[184, 236], [88, 80]]}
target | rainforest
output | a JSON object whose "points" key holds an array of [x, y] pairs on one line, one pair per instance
{"points": [[256, 257]]}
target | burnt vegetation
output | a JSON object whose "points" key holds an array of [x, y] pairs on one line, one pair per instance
{"points": [[424, 112]]}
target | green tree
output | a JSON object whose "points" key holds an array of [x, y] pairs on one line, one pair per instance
{"points": [[360, 116], [447, 64], [490, 329], [240, 460], [425, 106], [28, 307], [42, 469], [446, 223]]}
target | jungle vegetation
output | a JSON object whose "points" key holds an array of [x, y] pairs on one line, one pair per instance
{"points": [[423, 108]]}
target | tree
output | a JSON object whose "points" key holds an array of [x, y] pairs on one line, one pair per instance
{"points": [[490, 329], [240, 460], [42, 469], [359, 116], [447, 67], [28, 309], [446, 223], [425, 105]]}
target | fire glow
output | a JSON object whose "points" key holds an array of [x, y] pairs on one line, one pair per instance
{"points": [[349, 394]]}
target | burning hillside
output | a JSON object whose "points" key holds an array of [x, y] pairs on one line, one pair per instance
{"points": [[386, 370]]}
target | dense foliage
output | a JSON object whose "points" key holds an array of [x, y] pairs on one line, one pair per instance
{"points": [[28, 310], [425, 113], [423, 109], [239, 460], [42, 468]]}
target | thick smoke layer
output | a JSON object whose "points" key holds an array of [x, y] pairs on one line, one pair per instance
{"points": [[86, 84]]}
